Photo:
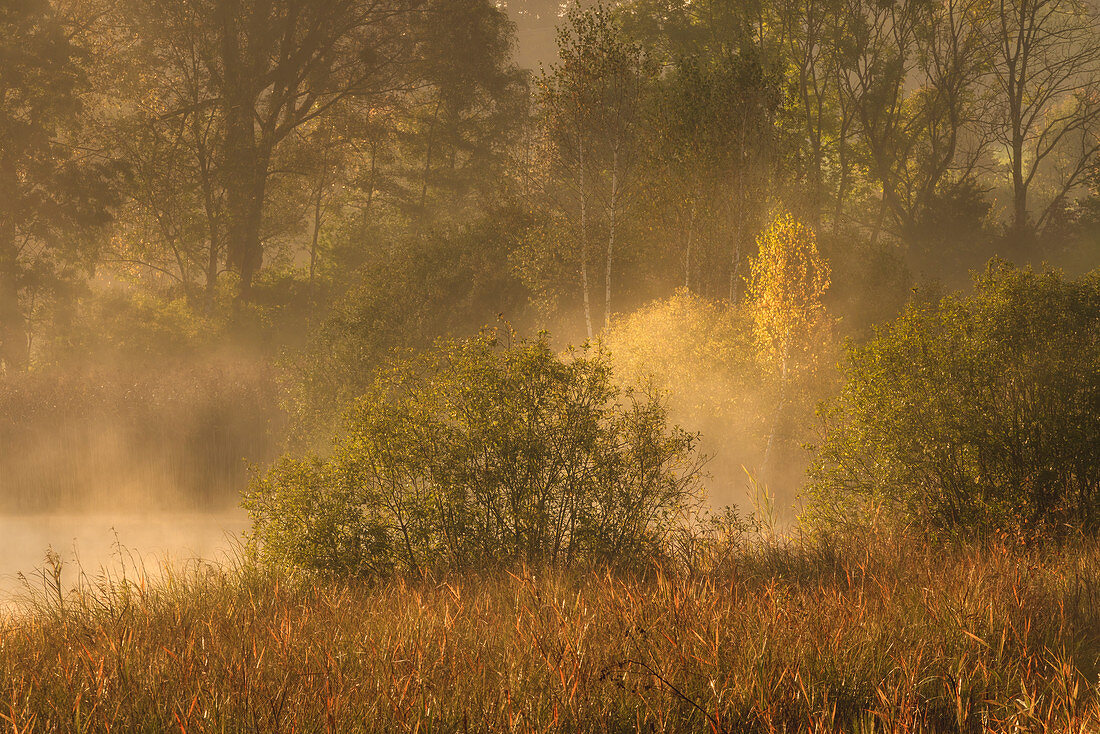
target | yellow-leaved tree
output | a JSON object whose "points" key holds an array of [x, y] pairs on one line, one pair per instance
{"points": [[788, 279]]}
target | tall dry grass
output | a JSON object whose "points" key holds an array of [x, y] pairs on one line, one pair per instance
{"points": [[884, 634]]}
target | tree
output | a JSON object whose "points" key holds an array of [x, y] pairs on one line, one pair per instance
{"points": [[787, 283], [979, 412], [722, 65], [808, 31], [488, 450], [48, 193], [701, 354], [267, 68], [710, 165], [394, 305], [461, 124], [911, 72], [170, 133], [788, 280], [1046, 80], [593, 103], [354, 98], [876, 43], [627, 78], [951, 142]]}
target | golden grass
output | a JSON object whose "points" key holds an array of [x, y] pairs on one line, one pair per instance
{"points": [[892, 634]]}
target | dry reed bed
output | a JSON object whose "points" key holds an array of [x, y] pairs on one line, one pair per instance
{"points": [[901, 636]]}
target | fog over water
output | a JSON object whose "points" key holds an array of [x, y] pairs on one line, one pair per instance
{"points": [[112, 542], [143, 464]]}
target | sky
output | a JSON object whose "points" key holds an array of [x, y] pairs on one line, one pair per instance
{"points": [[535, 22]]}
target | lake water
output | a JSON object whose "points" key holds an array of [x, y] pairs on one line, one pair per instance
{"points": [[97, 542]]}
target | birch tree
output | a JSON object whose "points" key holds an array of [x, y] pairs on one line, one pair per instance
{"points": [[788, 281], [594, 100]]}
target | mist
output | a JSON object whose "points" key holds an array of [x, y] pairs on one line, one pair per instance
{"points": [[413, 364], [188, 291]]}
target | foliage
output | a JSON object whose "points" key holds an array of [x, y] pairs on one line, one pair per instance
{"points": [[393, 303], [257, 137], [701, 355], [870, 283], [488, 450], [981, 412], [134, 326], [953, 235], [787, 282], [697, 350], [51, 198], [591, 106], [711, 141]]}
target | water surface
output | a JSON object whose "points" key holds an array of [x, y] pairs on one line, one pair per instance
{"points": [[95, 543]]}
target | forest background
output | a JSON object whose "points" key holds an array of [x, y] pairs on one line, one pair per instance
{"points": [[219, 220]]}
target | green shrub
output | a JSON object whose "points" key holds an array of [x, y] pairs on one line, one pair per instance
{"points": [[390, 304], [489, 450], [980, 413]]}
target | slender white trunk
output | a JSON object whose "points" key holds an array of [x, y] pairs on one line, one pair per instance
{"points": [[611, 238], [584, 239]]}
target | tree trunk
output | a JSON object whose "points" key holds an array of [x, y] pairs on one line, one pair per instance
{"points": [[211, 290], [246, 158], [14, 344], [611, 239], [880, 221], [1017, 71], [1019, 188], [245, 193], [584, 240], [813, 135], [214, 245], [429, 154], [739, 227], [317, 215], [204, 160], [371, 181], [14, 341], [841, 189], [246, 216], [777, 419]]}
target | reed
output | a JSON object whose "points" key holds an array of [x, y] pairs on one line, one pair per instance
{"points": [[883, 633]]}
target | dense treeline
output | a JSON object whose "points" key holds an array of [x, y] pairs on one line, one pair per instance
{"points": [[260, 165], [719, 191]]}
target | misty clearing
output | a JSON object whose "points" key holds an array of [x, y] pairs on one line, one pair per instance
{"points": [[525, 365]]}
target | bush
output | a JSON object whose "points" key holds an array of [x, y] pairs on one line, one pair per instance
{"points": [[980, 413], [492, 449], [705, 356], [391, 304]]}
